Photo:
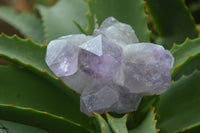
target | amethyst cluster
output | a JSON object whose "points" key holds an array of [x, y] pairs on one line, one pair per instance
{"points": [[110, 69]]}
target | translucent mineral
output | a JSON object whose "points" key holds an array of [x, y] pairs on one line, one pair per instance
{"points": [[77, 81], [117, 32], [62, 54], [98, 98], [127, 101], [109, 98], [110, 70], [146, 68], [100, 58]]}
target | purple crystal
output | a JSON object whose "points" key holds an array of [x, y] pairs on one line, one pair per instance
{"points": [[127, 101], [98, 98], [77, 81], [100, 58], [62, 54], [110, 69], [146, 68], [108, 98], [119, 33]]}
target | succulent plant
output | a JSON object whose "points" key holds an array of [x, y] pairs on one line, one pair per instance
{"points": [[34, 98]]}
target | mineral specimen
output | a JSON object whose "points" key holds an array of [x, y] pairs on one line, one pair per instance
{"points": [[110, 69]]}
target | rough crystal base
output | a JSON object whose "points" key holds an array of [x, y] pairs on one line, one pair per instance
{"points": [[146, 68]]}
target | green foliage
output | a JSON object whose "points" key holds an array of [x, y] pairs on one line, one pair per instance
{"points": [[194, 129], [20, 128], [118, 125], [43, 120], [101, 124], [58, 20], [178, 106], [33, 99], [146, 105], [148, 125], [33, 91], [23, 52], [30, 26], [44, 2], [172, 21], [186, 57]]}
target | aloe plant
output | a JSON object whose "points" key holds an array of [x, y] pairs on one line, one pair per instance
{"points": [[34, 100]]}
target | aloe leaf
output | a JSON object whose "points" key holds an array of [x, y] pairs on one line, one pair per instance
{"points": [[58, 19], [118, 125], [194, 129], [43, 120], [44, 2], [90, 17], [186, 57], [20, 128], [31, 56], [178, 106], [187, 67], [127, 11], [23, 88], [148, 125], [101, 124], [28, 24], [172, 20], [147, 103]]}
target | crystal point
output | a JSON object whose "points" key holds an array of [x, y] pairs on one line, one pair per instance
{"points": [[117, 32], [94, 45], [62, 54], [104, 67]]}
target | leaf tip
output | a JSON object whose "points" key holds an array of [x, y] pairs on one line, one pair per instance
{"points": [[95, 114], [107, 114]]}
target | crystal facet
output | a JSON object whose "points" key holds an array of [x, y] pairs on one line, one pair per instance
{"points": [[117, 32], [146, 68], [98, 98], [77, 81], [103, 65], [62, 54]]}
